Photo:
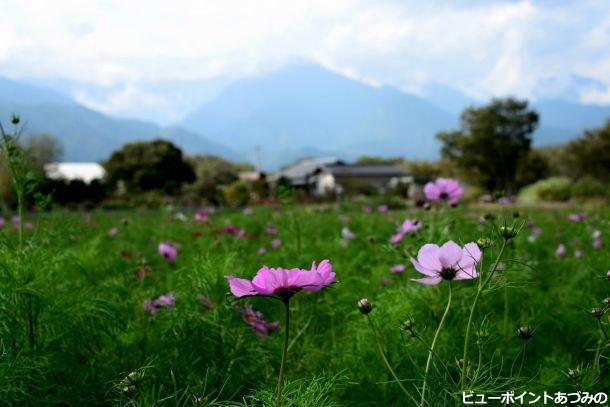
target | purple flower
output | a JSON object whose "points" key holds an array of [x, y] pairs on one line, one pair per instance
{"points": [[261, 251], [163, 301], [347, 234], [205, 301], [576, 217], [578, 254], [504, 200], [597, 244], [409, 225], [255, 320], [382, 208], [397, 268], [2, 222], [384, 281], [444, 190], [276, 243], [168, 251], [396, 238], [596, 234], [366, 209], [201, 216], [560, 251], [448, 262], [283, 283], [113, 231], [536, 231], [271, 229]]}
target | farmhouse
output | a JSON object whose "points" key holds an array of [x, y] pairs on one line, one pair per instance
{"points": [[319, 176]]}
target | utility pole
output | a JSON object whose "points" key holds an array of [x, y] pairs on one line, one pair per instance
{"points": [[257, 158]]}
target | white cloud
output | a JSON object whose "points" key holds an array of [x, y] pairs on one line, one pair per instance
{"points": [[483, 48]]}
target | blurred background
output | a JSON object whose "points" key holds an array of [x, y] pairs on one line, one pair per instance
{"points": [[220, 103]]}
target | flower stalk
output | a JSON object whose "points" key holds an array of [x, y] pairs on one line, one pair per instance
{"points": [[480, 289], [280, 379]]}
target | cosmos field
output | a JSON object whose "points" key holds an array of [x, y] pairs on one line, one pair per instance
{"points": [[133, 307]]}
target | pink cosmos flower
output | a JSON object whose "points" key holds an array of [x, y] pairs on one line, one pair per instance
{"points": [[384, 281], [536, 231], [276, 243], [409, 225], [261, 251], [165, 301], [560, 251], [383, 208], [444, 190], [579, 254], [576, 217], [597, 244], [205, 301], [448, 262], [366, 209], [113, 232], [397, 268], [201, 216], [596, 234], [271, 229], [2, 222], [168, 251], [28, 226], [396, 238], [283, 283], [255, 320], [347, 234]]}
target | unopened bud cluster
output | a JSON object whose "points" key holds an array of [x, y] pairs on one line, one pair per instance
{"points": [[525, 333], [508, 232], [365, 306]]}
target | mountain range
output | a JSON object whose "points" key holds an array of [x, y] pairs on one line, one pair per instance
{"points": [[298, 110]]}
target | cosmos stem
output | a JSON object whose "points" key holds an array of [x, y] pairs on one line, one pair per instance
{"points": [[431, 352], [523, 353], [280, 379], [385, 360], [473, 308]]}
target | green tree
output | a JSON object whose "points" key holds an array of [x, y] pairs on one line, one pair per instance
{"points": [[147, 166], [490, 143], [42, 149], [590, 154]]}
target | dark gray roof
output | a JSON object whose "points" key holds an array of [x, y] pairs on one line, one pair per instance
{"points": [[367, 170], [298, 172]]}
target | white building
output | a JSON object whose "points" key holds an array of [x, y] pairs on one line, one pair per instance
{"points": [[85, 172]]}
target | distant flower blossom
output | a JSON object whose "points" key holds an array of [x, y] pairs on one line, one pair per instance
{"points": [[205, 301], [448, 262], [2, 222], [201, 216], [276, 243], [366, 209], [382, 208], [560, 251], [536, 231], [482, 219], [597, 244], [579, 254], [576, 217], [397, 268], [141, 272], [15, 219], [408, 226], [168, 251], [255, 320], [530, 223], [248, 211], [271, 229], [446, 190], [113, 231], [347, 234], [384, 281], [261, 251], [28, 226], [504, 200], [596, 234], [163, 301], [283, 283]]}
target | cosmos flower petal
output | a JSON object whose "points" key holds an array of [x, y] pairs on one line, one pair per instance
{"points": [[428, 257], [449, 254], [433, 280], [240, 287], [423, 269]]}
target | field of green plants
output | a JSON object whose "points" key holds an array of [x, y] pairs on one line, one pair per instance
{"points": [[133, 308]]}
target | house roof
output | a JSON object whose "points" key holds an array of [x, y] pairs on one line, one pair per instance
{"points": [[86, 172], [367, 170], [298, 172]]}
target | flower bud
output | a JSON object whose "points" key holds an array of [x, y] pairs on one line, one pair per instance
{"points": [[408, 324], [484, 243], [606, 301], [508, 232], [597, 312], [608, 275], [365, 306], [15, 119], [574, 373], [525, 333]]}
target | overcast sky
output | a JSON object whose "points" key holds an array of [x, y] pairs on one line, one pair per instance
{"points": [[483, 48]]}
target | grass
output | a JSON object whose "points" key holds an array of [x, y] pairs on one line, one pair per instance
{"points": [[72, 325]]}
